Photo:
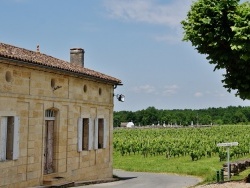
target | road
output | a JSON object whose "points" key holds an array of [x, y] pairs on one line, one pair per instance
{"points": [[147, 180]]}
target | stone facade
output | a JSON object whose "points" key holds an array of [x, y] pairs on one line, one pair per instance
{"points": [[78, 109]]}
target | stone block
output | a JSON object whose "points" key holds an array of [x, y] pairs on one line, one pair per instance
{"points": [[73, 154], [31, 144], [33, 182], [33, 167], [21, 169], [71, 148], [23, 151], [6, 164], [62, 162], [32, 175], [31, 159], [12, 170], [62, 168]]}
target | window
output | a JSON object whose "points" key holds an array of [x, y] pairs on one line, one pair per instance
{"points": [[52, 83], [9, 138], [50, 114], [8, 76], [100, 91], [85, 134], [85, 88], [100, 133]]}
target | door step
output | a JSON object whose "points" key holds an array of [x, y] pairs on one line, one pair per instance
{"points": [[54, 182]]}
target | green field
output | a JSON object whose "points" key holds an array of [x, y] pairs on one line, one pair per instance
{"points": [[188, 151]]}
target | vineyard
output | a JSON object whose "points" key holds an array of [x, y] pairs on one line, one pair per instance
{"points": [[197, 143]]}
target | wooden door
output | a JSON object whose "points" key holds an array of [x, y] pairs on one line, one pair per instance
{"points": [[48, 152]]}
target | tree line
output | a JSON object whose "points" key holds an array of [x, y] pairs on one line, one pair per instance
{"points": [[186, 117]]}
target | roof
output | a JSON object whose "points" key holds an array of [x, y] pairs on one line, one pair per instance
{"points": [[49, 62]]}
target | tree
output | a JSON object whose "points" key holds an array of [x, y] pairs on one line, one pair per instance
{"points": [[205, 120], [152, 115], [239, 117], [220, 29], [227, 118]]}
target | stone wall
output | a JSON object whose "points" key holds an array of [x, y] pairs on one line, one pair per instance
{"points": [[237, 166]]}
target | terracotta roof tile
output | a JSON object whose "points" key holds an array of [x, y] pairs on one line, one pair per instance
{"points": [[12, 52]]}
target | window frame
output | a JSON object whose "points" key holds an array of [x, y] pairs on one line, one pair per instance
{"points": [[100, 144], [9, 138], [83, 125]]}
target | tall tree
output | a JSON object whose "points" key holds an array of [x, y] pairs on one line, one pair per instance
{"points": [[239, 117], [220, 29]]}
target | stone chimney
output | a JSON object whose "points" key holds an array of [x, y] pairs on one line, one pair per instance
{"points": [[77, 56]]}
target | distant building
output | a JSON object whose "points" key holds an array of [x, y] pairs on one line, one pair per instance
{"points": [[127, 124], [56, 119]]}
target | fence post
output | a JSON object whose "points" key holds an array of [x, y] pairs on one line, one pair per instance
{"points": [[222, 175], [218, 176]]}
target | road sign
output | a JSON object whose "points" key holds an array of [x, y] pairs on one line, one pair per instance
{"points": [[227, 144]]}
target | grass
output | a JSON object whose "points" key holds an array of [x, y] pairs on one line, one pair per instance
{"points": [[204, 168]]}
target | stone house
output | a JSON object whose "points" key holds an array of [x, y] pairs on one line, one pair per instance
{"points": [[56, 119]]}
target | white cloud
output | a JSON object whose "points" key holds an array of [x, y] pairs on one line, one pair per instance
{"points": [[148, 11], [198, 94], [170, 90], [168, 14], [165, 91], [216, 94], [144, 89]]}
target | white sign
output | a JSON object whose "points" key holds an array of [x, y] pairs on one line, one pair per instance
{"points": [[228, 144]]}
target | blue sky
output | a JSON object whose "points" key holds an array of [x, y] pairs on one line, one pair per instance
{"points": [[137, 41]]}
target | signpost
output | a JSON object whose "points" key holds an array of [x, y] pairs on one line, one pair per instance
{"points": [[228, 145]]}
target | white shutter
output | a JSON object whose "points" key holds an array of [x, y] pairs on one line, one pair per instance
{"points": [[3, 138], [91, 135], [105, 133], [16, 138], [96, 134], [79, 134]]}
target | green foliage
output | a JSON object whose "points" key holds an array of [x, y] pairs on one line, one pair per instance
{"points": [[193, 142], [220, 29], [191, 151]]}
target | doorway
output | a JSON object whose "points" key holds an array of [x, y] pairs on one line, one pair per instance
{"points": [[49, 142], [49, 145]]}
